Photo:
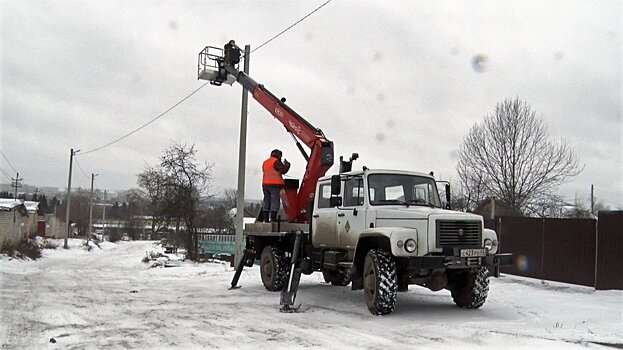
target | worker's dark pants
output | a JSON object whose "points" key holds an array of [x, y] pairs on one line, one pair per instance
{"points": [[271, 198]]}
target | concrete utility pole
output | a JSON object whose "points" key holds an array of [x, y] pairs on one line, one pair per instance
{"points": [[72, 153], [91, 208], [242, 157], [592, 200], [17, 185], [104, 217]]}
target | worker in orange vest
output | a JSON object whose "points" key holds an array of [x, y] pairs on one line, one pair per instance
{"points": [[272, 182]]}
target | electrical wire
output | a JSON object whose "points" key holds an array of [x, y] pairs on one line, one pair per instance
{"points": [[192, 93], [290, 27], [7, 175], [144, 125], [7, 160], [82, 170]]}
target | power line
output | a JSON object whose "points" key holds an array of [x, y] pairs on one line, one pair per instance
{"points": [[144, 125], [290, 27], [192, 93], [6, 174], [82, 170], [12, 167]]}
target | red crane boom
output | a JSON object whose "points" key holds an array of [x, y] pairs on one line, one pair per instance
{"points": [[296, 200]]}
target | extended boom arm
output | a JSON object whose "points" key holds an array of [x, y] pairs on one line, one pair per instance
{"points": [[296, 201]]}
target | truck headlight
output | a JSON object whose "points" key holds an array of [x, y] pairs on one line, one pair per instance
{"points": [[488, 244], [410, 245]]}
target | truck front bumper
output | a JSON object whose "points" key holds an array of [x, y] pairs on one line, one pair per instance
{"points": [[455, 262]]}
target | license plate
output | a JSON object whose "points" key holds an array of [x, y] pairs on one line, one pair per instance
{"points": [[471, 253]]}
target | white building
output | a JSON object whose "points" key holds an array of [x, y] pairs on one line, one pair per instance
{"points": [[33, 217], [14, 221]]}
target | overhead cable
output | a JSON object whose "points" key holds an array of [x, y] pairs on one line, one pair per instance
{"points": [[290, 27], [6, 174], [82, 170], [7, 160], [144, 125], [192, 93]]}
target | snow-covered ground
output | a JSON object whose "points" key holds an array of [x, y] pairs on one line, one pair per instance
{"points": [[108, 298]]}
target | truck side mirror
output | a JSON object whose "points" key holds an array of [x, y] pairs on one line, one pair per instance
{"points": [[336, 189], [335, 202], [448, 196], [336, 185]]}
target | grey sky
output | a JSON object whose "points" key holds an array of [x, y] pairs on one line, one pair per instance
{"points": [[391, 80]]}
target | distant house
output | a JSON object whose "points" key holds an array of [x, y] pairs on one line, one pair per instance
{"points": [[33, 217], [54, 227], [14, 221]]}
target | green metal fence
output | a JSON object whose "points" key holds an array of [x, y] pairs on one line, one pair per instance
{"points": [[217, 243]]}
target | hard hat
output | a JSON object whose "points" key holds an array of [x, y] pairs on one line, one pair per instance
{"points": [[276, 153]]}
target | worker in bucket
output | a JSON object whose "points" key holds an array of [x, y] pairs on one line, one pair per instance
{"points": [[232, 53], [272, 183]]}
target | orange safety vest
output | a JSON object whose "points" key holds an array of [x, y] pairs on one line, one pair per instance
{"points": [[271, 176]]}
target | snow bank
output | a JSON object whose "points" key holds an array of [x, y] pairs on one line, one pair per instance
{"points": [[108, 298]]}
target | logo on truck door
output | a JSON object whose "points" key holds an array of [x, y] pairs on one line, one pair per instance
{"points": [[347, 226]]}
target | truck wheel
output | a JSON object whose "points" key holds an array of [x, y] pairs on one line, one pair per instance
{"points": [[273, 268], [337, 277], [470, 288], [380, 284]]}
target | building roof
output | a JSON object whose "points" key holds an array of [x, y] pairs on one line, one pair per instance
{"points": [[8, 204], [31, 206]]}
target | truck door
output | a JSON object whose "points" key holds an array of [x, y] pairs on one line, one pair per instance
{"points": [[351, 217], [324, 233]]}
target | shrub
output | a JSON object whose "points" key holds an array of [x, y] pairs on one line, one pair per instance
{"points": [[114, 236], [153, 256], [22, 249], [48, 244]]}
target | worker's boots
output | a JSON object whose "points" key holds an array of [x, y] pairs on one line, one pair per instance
{"points": [[265, 217], [273, 216]]}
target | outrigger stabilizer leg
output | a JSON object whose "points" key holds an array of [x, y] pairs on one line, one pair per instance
{"points": [[288, 294], [247, 258]]}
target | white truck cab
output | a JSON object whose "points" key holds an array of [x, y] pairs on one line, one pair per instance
{"points": [[403, 206]]}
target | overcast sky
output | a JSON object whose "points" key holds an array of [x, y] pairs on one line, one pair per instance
{"points": [[391, 80]]}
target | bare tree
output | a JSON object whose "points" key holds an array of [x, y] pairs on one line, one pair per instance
{"points": [[509, 156], [231, 196], [134, 213], [152, 182], [186, 181], [79, 213]]}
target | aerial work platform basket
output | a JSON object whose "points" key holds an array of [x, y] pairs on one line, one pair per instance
{"points": [[211, 67]]}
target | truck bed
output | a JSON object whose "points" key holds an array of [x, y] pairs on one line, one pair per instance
{"points": [[274, 229]]}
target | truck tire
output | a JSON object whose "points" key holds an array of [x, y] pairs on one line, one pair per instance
{"points": [[470, 288], [273, 268], [380, 282], [337, 277]]}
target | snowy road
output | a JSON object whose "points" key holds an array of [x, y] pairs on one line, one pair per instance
{"points": [[108, 298]]}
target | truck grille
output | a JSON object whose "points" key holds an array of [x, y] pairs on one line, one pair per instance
{"points": [[454, 233]]}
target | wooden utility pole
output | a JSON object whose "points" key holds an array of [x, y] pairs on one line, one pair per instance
{"points": [[242, 157]]}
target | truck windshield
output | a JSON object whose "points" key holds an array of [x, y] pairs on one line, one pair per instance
{"points": [[392, 189]]}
